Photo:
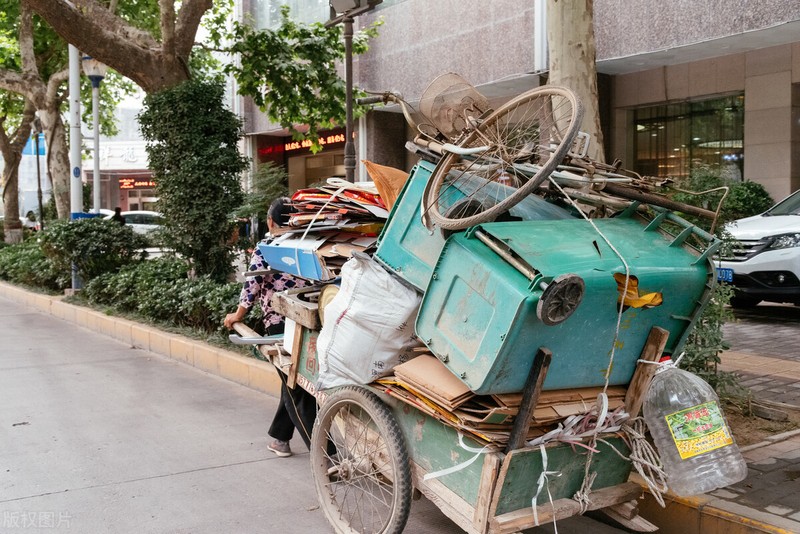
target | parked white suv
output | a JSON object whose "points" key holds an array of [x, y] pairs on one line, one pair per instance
{"points": [[765, 263]]}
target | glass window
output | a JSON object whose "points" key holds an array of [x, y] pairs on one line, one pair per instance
{"points": [[671, 139], [267, 13]]}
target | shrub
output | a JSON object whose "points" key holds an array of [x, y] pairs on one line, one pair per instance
{"points": [[160, 290], [95, 246], [26, 264], [745, 198], [192, 147]]}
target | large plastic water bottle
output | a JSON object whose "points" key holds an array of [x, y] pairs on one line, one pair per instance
{"points": [[691, 434]]}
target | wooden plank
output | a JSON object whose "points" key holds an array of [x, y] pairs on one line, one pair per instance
{"points": [[653, 348], [297, 346], [627, 515], [530, 394], [451, 505], [486, 489], [564, 508], [292, 305]]}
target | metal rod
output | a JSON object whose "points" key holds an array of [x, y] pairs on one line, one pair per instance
{"points": [[96, 151], [525, 269], [349, 146]]}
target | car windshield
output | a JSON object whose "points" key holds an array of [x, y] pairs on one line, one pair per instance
{"points": [[788, 206]]}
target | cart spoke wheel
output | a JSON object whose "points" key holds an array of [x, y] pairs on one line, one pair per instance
{"points": [[360, 464], [524, 140]]}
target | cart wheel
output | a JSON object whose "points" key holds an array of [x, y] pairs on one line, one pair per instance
{"points": [[360, 464], [526, 139]]}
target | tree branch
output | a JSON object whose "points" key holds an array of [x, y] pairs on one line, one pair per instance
{"points": [[14, 82], [55, 81], [29, 68], [167, 8], [191, 13]]}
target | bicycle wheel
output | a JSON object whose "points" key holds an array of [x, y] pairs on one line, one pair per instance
{"points": [[360, 464], [526, 139]]}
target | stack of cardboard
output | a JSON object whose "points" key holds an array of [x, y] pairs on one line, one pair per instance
{"points": [[328, 225], [425, 383]]}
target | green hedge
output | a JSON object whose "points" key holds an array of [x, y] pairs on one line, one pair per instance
{"points": [[161, 290]]}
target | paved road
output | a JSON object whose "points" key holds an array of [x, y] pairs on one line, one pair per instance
{"points": [[772, 331], [96, 436]]}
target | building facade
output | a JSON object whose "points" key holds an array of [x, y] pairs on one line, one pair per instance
{"points": [[682, 83]]}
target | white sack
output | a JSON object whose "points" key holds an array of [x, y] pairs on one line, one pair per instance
{"points": [[368, 327]]}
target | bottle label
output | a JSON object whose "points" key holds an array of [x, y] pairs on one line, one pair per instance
{"points": [[698, 430]]}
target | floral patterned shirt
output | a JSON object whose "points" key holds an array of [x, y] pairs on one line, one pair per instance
{"points": [[261, 288]]}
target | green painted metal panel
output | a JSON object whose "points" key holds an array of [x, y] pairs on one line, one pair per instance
{"points": [[524, 468], [479, 312], [435, 446], [405, 245]]}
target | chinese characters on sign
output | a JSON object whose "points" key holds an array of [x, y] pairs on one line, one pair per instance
{"points": [[136, 183], [305, 143]]}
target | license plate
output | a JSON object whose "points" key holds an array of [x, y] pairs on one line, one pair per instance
{"points": [[724, 275]]}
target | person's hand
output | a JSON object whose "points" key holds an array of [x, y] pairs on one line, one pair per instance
{"points": [[235, 317]]}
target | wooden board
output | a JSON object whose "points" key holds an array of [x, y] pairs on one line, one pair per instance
{"points": [[297, 344], [640, 383], [563, 508]]}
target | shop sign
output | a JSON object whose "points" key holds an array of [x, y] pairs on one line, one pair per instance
{"points": [[136, 183]]}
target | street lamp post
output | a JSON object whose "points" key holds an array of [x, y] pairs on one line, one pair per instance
{"points": [[37, 131], [95, 71], [345, 11]]}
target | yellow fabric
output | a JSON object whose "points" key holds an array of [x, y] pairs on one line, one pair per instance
{"points": [[388, 180], [631, 297]]}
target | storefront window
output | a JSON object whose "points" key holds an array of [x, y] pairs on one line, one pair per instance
{"points": [[267, 13], [672, 139]]}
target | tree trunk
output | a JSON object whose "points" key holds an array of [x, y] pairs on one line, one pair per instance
{"points": [[11, 147], [57, 159], [12, 227], [570, 38]]}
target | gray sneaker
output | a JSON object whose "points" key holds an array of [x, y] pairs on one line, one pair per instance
{"points": [[280, 448]]}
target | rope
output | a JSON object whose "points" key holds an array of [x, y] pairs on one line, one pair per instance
{"points": [[582, 496], [645, 459]]}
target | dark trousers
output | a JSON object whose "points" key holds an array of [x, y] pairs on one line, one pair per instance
{"points": [[297, 409]]}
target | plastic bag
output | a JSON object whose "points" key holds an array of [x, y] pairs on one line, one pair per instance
{"points": [[368, 326]]}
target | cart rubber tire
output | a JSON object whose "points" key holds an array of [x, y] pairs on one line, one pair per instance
{"points": [[357, 493], [513, 136]]}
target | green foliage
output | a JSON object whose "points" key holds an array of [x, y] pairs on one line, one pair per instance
{"points": [[26, 264], [290, 72], [192, 149], [95, 246], [744, 199], [160, 290], [269, 182], [705, 342]]}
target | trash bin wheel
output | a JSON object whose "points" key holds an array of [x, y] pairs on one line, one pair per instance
{"points": [[560, 299], [360, 464]]}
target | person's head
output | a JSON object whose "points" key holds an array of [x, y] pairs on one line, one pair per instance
{"points": [[117, 211], [278, 213]]}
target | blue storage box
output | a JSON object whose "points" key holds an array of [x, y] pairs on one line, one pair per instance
{"points": [[291, 254]]}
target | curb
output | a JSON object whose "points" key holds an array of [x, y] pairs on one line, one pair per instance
{"points": [[249, 372], [707, 514]]}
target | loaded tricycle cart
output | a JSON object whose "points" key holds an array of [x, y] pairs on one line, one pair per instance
{"points": [[544, 279]]}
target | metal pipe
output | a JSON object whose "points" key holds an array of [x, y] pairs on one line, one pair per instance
{"points": [[522, 267], [96, 151], [75, 141], [349, 146]]}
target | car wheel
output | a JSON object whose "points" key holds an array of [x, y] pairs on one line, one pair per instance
{"points": [[744, 302]]}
